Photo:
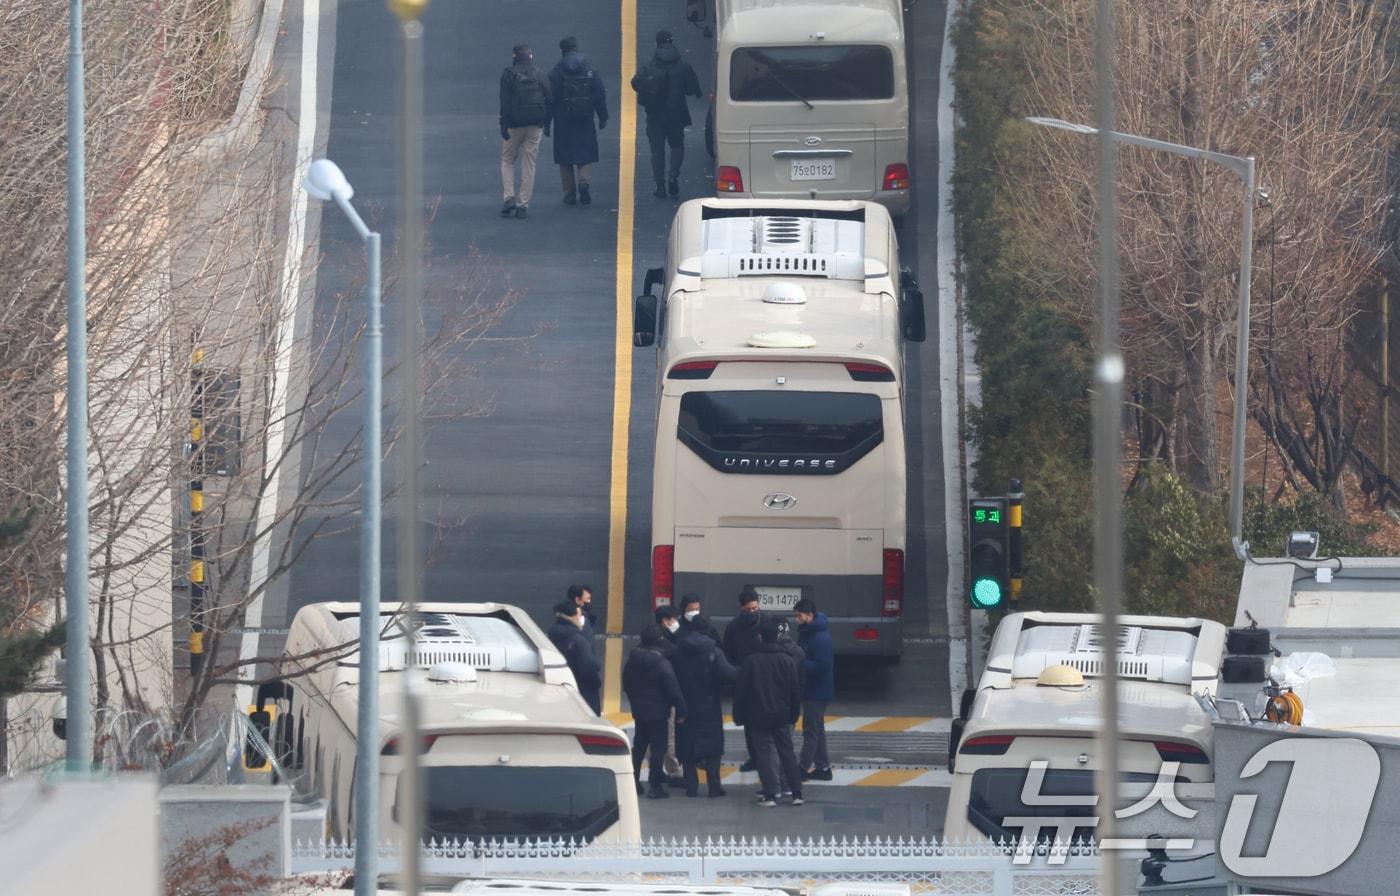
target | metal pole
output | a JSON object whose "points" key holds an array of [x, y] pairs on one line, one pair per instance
{"points": [[1108, 410], [1242, 362], [410, 407], [79, 698], [1381, 486]]}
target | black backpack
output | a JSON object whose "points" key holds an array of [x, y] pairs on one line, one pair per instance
{"points": [[651, 84], [527, 99], [576, 95]]}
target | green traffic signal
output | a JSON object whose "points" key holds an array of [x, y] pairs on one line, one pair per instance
{"points": [[988, 559], [987, 594]]}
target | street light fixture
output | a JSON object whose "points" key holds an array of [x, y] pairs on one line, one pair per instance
{"points": [[1243, 166], [325, 181]]}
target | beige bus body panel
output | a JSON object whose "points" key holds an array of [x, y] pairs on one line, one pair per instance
{"points": [[864, 135], [538, 715]]}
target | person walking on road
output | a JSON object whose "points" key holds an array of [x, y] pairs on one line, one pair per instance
{"points": [[524, 117], [670, 631], [582, 597], [741, 638], [768, 702], [662, 86], [579, 98], [567, 635], [652, 691], [818, 688], [704, 674]]}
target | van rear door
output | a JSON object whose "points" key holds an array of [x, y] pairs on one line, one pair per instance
{"points": [[791, 161]]}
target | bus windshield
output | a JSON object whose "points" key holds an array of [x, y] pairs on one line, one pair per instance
{"points": [[799, 74], [492, 802], [733, 430]]}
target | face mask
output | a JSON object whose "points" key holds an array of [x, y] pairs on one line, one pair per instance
{"points": [[691, 614], [672, 626]]}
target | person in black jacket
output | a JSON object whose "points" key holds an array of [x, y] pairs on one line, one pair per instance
{"points": [[689, 609], [578, 652], [670, 629], [578, 98], [524, 119], [652, 691], [582, 595], [768, 702], [704, 674], [662, 86]]}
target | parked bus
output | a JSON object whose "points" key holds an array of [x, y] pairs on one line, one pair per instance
{"points": [[780, 459], [509, 748], [811, 101], [1040, 700]]}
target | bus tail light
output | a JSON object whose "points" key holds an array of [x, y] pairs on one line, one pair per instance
{"points": [[603, 745], [729, 180], [392, 747], [897, 176], [692, 370], [869, 373], [990, 745], [866, 634], [1186, 754], [663, 575], [893, 583]]}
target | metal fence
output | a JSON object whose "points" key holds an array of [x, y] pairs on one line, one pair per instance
{"points": [[927, 866]]}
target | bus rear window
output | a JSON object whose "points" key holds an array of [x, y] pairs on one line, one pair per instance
{"points": [[827, 72], [995, 796], [796, 433], [491, 802]]}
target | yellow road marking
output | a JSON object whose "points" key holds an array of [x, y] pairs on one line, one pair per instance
{"points": [[622, 368], [893, 723], [889, 777]]}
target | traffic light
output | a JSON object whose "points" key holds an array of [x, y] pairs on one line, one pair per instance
{"points": [[988, 560]]}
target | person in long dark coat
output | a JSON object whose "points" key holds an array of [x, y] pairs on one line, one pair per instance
{"points": [[578, 98], [703, 673], [578, 652], [652, 691]]}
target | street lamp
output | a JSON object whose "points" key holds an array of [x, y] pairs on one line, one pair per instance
{"points": [[1243, 166], [325, 181]]}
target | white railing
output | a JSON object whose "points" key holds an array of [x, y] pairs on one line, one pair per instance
{"points": [[974, 869]]}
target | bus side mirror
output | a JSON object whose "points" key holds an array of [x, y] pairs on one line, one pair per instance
{"points": [[912, 314], [695, 11], [644, 321]]}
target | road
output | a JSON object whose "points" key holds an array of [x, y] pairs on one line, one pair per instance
{"points": [[519, 484]]}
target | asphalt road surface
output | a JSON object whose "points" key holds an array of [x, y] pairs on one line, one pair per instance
{"points": [[518, 480]]}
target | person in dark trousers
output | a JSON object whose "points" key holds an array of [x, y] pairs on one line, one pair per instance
{"points": [[652, 691], [818, 688], [741, 638], [582, 596], [567, 635], [524, 118], [768, 702], [662, 86], [690, 608], [704, 674], [670, 628], [670, 632], [578, 98]]}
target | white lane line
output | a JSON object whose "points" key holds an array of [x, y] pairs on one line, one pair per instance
{"points": [[947, 367], [281, 371]]}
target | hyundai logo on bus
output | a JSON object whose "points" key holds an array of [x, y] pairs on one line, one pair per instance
{"points": [[779, 501], [813, 141]]}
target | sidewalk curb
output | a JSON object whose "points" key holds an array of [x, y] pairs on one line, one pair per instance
{"points": [[239, 128]]}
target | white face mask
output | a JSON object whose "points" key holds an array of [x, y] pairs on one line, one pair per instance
{"points": [[691, 614], [672, 625]]}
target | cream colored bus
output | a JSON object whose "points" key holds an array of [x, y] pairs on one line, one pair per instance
{"points": [[811, 101], [780, 456], [1039, 701], [509, 748]]}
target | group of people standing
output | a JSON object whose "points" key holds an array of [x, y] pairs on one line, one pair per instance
{"points": [[571, 101], [684, 667]]}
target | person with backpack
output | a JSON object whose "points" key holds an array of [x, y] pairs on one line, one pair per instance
{"points": [[579, 97], [662, 86], [524, 118]]}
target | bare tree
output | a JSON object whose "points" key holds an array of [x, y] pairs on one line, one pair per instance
{"points": [[189, 309], [1302, 86]]}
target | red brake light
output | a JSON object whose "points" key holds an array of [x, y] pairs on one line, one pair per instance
{"points": [[1186, 754], [866, 634], [991, 745], [603, 745], [897, 176], [392, 747], [870, 373], [663, 575], [692, 370], [729, 180], [893, 584]]}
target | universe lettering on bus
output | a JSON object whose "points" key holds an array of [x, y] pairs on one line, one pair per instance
{"points": [[807, 464]]}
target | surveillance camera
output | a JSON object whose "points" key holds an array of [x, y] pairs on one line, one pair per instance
{"points": [[60, 719], [1302, 545]]}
